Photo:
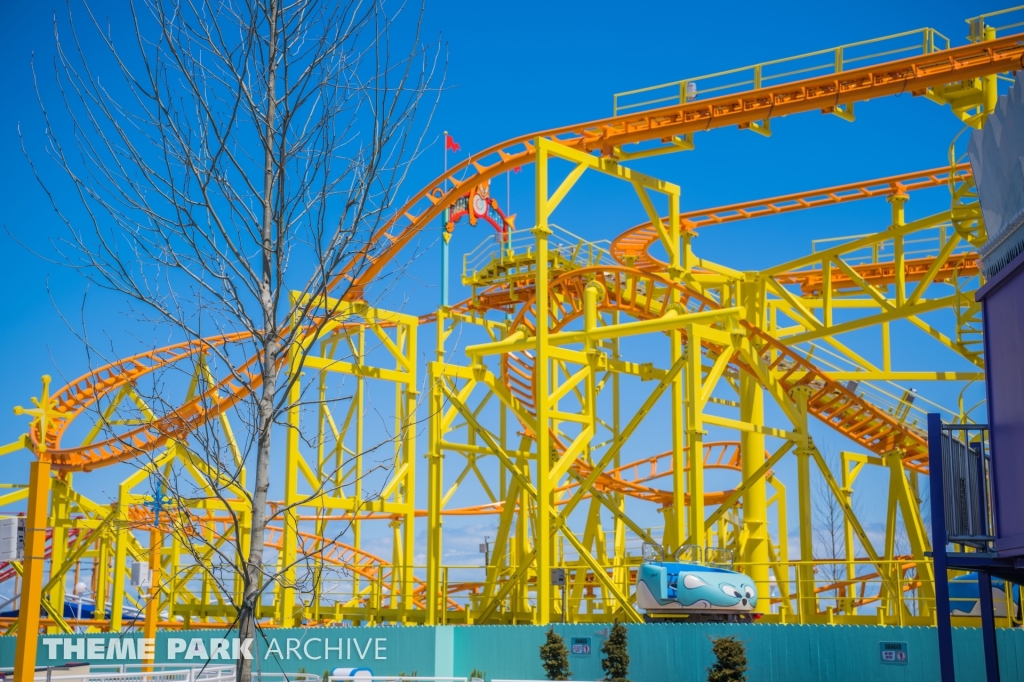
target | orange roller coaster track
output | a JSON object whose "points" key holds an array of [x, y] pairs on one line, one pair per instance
{"points": [[725, 328], [915, 75]]}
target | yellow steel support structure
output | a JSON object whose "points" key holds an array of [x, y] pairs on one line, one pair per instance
{"points": [[32, 569], [587, 399]]}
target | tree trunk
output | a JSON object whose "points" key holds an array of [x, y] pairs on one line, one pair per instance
{"points": [[247, 613], [268, 300]]}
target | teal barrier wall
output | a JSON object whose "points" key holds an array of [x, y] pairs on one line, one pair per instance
{"points": [[777, 653], [384, 650]]}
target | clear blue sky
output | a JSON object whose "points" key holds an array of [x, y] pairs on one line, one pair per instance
{"points": [[517, 67]]}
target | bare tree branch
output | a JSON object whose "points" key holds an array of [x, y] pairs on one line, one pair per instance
{"points": [[200, 156]]}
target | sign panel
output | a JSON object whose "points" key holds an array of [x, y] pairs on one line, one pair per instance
{"points": [[893, 653], [580, 646], [12, 538]]}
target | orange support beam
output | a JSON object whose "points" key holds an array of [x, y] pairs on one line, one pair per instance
{"points": [[156, 543], [34, 566]]}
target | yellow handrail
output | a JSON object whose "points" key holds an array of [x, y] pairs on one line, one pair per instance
{"points": [[754, 76], [979, 23]]}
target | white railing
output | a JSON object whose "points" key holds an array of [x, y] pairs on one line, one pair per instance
{"points": [[394, 678], [887, 395], [787, 70], [161, 672], [924, 243], [568, 245]]}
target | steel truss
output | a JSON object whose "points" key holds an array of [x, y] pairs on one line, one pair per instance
{"points": [[540, 422]]}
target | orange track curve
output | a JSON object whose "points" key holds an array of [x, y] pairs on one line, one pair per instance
{"points": [[914, 74], [644, 295], [633, 247]]}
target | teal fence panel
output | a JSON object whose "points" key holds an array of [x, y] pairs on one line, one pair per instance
{"points": [[664, 651], [383, 650], [776, 653]]}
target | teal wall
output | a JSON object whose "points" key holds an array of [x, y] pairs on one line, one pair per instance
{"points": [[777, 653], [384, 650]]}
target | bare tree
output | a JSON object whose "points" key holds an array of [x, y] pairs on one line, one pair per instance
{"points": [[829, 531], [208, 149]]}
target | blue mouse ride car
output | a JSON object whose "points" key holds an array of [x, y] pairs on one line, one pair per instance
{"points": [[692, 590]]}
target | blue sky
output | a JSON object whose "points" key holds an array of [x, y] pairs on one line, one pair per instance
{"points": [[513, 68]]}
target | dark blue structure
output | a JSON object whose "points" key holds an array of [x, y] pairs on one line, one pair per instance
{"points": [[977, 472], [1002, 300]]}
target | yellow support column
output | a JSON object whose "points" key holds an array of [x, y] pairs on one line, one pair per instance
{"points": [[120, 541], [782, 558], [694, 437], [407, 394], [33, 567], [622, 572], [435, 492], [244, 531], [754, 551], [520, 601], [59, 513], [357, 463], [917, 536], [898, 202], [545, 493], [675, 518], [806, 606], [851, 566], [101, 572], [287, 614], [989, 86]]}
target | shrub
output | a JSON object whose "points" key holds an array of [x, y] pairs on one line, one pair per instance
{"points": [[731, 665], [555, 657], [615, 661]]}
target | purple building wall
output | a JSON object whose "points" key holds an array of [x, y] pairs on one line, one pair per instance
{"points": [[1002, 300]]}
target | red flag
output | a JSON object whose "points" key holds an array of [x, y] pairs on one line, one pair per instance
{"points": [[451, 144], [517, 169]]}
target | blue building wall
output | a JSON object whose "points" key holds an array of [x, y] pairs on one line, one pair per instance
{"points": [[777, 653]]}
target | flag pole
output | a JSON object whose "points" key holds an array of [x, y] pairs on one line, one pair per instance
{"points": [[444, 231]]}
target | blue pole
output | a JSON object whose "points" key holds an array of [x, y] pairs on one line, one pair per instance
{"points": [[444, 259], [444, 230], [988, 627], [945, 631], [988, 622]]}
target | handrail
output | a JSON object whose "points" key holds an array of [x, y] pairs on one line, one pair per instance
{"points": [[394, 678], [570, 246], [979, 23], [754, 75]]}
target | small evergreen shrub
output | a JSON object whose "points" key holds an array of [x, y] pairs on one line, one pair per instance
{"points": [[615, 661], [555, 657], [731, 665]]}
